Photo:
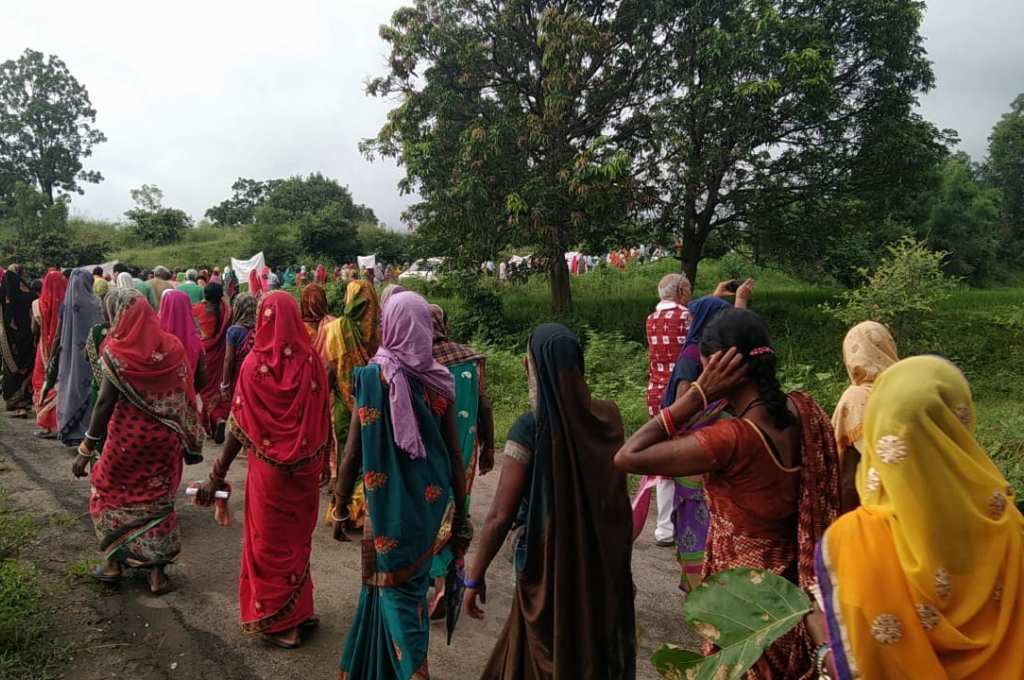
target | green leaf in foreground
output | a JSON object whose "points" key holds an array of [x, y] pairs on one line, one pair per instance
{"points": [[742, 611]]}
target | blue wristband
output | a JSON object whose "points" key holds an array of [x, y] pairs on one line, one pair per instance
{"points": [[470, 583]]}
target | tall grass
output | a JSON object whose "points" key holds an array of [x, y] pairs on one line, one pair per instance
{"points": [[201, 246]]}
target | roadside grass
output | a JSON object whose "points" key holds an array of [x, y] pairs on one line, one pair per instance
{"points": [[981, 330], [27, 648]]}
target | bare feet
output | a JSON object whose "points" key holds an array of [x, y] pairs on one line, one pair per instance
{"points": [[159, 583]]}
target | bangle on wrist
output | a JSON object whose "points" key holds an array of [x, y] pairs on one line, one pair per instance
{"points": [[667, 424], [703, 394], [470, 583]]}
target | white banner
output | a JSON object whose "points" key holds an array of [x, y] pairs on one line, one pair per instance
{"points": [[242, 268], [367, 261]]}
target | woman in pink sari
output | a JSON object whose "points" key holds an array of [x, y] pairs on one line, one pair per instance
{"points": [[281, 416], [213, 316]]}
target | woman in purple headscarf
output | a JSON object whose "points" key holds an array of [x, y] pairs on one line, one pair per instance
{"points": [[403, 438]]}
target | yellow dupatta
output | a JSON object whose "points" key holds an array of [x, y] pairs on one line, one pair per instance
{"points": [[868, 350], [351, 339], [925, 579]]}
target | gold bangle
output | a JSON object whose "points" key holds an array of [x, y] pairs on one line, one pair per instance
{"points": [[703, 395]]}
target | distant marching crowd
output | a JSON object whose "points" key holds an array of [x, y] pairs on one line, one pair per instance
{"points": [[889, 513]]}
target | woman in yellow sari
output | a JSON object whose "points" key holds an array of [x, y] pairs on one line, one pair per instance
{"points": [[349, 342], [868, 350], [925, 579]]}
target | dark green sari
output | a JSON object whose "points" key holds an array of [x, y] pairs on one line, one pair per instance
{"points": [[467, 406], [406, 500]]}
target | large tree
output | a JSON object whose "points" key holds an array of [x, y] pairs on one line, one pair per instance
{"points": [[513, 121], [47, 126], [247, 195], [779, 104], [1006, 165]]}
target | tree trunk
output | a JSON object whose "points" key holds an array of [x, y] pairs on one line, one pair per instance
{"points": [[692, 249], [561, 294], [48, 190]]}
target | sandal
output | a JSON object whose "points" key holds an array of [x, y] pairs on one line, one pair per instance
{"points": [[104, 577], [312, 623], [278, 642], [164, 588]]}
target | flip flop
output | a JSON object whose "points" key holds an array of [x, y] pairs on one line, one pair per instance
{"points": [[167, 587], [312, 623], [277, 642], [102, 577], [43, 434]]}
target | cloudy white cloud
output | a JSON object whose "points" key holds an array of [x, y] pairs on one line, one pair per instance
{"points": [[193, 94]]}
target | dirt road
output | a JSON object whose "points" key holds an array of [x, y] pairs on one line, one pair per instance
{"points": [[193, 632]]}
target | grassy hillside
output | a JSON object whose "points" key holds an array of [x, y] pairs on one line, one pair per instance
{"points": [[206, 246], [982, 330]]}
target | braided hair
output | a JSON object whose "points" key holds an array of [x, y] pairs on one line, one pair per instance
{"points": [[744, 330]]}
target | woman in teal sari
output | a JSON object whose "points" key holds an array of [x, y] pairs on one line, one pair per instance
{"points": [[403, 438]]}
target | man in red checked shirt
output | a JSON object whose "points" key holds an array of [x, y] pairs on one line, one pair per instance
{"points": [[666, 333]]}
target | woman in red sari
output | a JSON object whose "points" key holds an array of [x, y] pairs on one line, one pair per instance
{"points": [[771, 473], [213, 315], [281, 416], [146, 416], [50, 300]]}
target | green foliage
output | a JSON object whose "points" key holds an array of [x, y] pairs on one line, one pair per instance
{"points": [[742, 611], [34, 232], [480, 314], [964, 218], [329, 233], [512, 122], [151, 222], [1006, 168], [901, 293], [16, 528], [387, 245], [46, 126], [248, 194]]}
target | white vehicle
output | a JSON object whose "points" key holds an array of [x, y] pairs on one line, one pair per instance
{"points": [[426, 270]]}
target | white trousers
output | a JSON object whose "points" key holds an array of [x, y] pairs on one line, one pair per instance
{"points": [[665, 493]]}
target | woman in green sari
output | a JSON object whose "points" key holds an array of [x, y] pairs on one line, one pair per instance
{"points": [[475, 422], [403, 438]]}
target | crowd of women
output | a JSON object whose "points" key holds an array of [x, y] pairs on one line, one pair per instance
{"points": [[890, 513]]}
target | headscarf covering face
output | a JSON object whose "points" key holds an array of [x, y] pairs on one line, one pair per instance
{"points": [[387, 292], [282, 402], [927, 574], [55, 287], [447, 352], [81, 311], [313, 303], [176, 319], [124, 280], [867, 350], [17, 319], [244, 310], [405, 352]]}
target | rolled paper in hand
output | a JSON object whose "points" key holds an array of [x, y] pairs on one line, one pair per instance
{"points": [[193, 490], [221, 511]]}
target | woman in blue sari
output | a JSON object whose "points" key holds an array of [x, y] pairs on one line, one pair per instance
{"points": [[403, 439]]}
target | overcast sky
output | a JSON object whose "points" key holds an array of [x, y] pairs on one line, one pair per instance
{"points": [[192, 95]]}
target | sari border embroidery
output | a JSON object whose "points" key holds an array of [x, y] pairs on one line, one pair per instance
{"points": [[260, 625], [842, 654], [236, 429]]}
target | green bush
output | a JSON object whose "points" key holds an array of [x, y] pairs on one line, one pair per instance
{"points": [[901, 293], [200, 246]]}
